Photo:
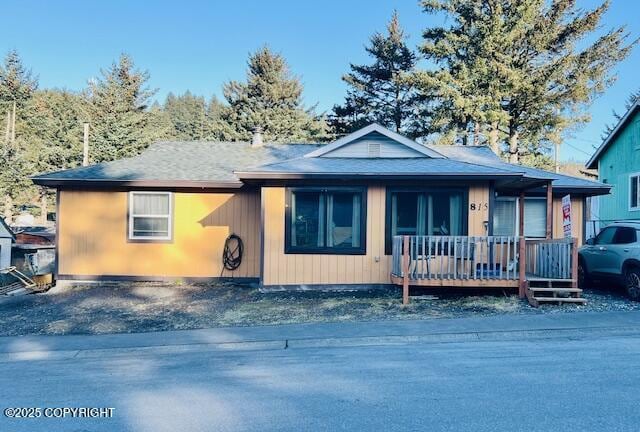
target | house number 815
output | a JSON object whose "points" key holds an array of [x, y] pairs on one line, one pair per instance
{"points": [[478, 206]]}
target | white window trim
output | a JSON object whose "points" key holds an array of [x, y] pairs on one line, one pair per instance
{"points": [[169, 217], [517, 200], [636, 208]]}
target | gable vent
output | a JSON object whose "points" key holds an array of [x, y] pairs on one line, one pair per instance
{"points": [[373, 149]]}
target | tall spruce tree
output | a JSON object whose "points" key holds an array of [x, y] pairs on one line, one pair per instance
{"points": [[17, 85], [119, 112], [271, 99], [187, 113], [192, 118], [50, 140], [384, 91], [520, 67], [217, 126]]}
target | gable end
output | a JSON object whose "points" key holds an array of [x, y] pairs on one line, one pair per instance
{"points": [[364, 143], [373, 145]]}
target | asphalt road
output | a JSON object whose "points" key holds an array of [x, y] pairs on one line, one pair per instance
{"points": [[587, 383]]}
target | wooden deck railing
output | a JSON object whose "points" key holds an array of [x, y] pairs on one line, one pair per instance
{"points": [[551, 259], [467, 260], [457, 257]]}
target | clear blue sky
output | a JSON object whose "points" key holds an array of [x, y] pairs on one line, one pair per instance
{"points": [[198, 45]]}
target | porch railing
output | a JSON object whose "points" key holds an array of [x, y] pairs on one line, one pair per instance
{"points": [[457, 257], [484, 257], [551, 259]]}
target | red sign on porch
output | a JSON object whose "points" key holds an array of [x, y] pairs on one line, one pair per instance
{"points": [[566, 216]]}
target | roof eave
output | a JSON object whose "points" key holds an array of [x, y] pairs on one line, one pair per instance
{"points": [[103, 183], [255, 175]]}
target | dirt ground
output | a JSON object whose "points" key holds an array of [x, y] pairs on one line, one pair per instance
{"points": [[156, 307]]}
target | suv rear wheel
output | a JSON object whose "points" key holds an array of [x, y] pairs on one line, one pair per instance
{"points": [[632, 283], [584, 280]]}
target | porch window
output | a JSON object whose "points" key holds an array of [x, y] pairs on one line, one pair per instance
{"points": [[634, 192], [150, 216], [425, 212], [331, 221], [506, 217]]}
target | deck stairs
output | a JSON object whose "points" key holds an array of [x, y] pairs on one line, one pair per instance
{"points": [[553, 291]]}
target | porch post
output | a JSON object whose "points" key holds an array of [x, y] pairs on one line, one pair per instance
{"points": [[574, 264], [405, 270], [549, 233], [521, 252]]}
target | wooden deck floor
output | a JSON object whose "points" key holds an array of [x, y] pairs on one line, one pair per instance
{"points": [[458, 283]]}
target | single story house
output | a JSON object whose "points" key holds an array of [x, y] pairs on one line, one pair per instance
{"points": [[309, 215], [618, 163]]}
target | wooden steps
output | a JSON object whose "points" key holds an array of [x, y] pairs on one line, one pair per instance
{"points": [[553, 291]]}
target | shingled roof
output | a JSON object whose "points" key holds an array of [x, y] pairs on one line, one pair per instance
{"points": [[179, 164], [485, 156], [230, 164]]}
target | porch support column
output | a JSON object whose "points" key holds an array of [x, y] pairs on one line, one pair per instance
{"points": [[549, 233], [521, 249], [574, 264], [405, 270]]}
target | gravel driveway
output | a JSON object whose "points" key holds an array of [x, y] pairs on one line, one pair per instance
{"points": [[156, 307]]}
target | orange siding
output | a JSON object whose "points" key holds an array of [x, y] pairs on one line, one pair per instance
{"points": [[372, 268], [93, 236]]}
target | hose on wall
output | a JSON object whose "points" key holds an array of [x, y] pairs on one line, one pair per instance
{"points": [[232, 253]]}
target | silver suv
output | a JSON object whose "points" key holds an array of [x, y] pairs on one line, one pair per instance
{"points": [[614, 254]]}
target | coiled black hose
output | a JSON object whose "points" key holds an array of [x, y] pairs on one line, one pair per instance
{"points": [[232, 253]]}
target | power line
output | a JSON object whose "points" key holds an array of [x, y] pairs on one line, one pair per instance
{"points": [[577, 148]]}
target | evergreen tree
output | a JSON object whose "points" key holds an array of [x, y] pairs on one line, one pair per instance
{"points": [[192, 118], [119, 112], [382, 92], [17, 85], [271, 99], [187, 114], [514, 66], [50, 140], [217, 126]]}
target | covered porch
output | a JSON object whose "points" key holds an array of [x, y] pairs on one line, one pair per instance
{"points": [[541, 269]]}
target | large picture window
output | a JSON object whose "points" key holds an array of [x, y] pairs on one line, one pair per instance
{"points": [[326, 220], [425, 212], [150, 216], [506, 217]]}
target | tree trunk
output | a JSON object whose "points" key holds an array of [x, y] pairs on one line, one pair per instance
{"points": [[7, 132], [476, 133], [493, 139], [13, 124], [43, 207], [513, 146], [8, 208]]}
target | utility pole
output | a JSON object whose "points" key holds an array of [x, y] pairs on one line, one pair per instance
{"points": [[555, 157], [85, 146]]}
